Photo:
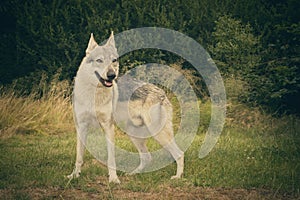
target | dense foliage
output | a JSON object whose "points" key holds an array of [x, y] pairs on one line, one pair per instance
{"points": [[252, 40]]}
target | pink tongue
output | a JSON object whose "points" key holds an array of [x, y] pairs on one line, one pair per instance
{"points": [[108, 83]]}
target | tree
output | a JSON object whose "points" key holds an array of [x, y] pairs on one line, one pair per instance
{"points": [[240, 55], [234, 47]]}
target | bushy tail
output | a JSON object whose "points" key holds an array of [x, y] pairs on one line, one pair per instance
{"points": [[156, 115]]}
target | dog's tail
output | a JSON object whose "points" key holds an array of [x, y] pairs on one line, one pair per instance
{"points": [[157, 114]]}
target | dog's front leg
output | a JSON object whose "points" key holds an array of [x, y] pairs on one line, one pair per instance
{"points": [[81, 139], [111, 162]]}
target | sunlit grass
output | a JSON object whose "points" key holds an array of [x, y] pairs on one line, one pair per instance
{"points": [[239, 160], [27, 114], [38, 144]]}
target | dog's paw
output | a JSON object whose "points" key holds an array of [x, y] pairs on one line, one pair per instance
{"points": [[136, 171], [176, 177], [74, 175], [114, 180]]}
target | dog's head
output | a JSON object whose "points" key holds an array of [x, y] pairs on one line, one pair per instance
{"points": [[102, 61]]}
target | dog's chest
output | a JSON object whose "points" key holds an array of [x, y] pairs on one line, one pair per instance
{"points": [[103, 96], [104, 103], [93, 105]]}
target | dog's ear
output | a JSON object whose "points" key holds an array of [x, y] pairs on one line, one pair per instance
{"points": [[92, 44], [111, 40]]}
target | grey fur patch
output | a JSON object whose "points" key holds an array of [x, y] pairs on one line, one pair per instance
{"points": [[130, 89]]}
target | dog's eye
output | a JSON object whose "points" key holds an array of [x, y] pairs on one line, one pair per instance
{"points": [[114, 60], [99, 60]]}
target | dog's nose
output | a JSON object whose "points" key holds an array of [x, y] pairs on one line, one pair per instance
{"points": [[111, 75]]}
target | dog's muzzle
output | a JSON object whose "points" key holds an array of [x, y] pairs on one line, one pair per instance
{"points": [[111, 75]]}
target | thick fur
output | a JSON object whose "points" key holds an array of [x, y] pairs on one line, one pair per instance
{"points": [[96, 97]]}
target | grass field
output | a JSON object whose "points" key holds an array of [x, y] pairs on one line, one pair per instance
{"points": [[256, 157]]}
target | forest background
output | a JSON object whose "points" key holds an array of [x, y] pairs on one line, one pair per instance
{"points": [[253, 41]]}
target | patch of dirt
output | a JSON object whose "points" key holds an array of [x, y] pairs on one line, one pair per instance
{"points": [[100, 189], [163, 193]]}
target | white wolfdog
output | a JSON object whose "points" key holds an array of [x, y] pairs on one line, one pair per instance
{"points": [[95, 99]]}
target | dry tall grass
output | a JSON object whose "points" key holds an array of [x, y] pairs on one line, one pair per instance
{"points": [[49, 114]]}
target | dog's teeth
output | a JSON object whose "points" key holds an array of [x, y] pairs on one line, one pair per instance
{"points": [[108, 83]]}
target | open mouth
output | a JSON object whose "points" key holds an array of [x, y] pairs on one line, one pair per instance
{"points": [[106, 83]]}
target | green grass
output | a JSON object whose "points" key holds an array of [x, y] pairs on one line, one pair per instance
{"points": [[247, 159], [256, 157]]}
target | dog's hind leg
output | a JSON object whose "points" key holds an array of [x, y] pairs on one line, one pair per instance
{"points": [[178, 155], [145, 156], [166, 139]]}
